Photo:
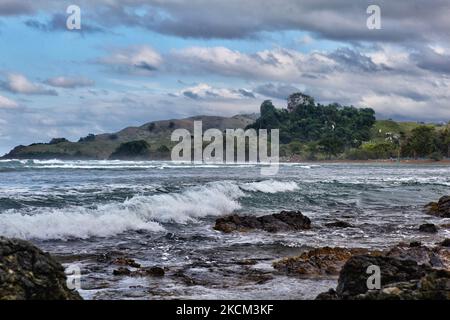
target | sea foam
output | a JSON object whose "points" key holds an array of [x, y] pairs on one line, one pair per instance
{"points": [[137, 213]]}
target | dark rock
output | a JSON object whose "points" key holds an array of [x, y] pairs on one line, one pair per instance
{"points": [[122, 272], [151, 271], [283, 221], [445, 243], [320, 261], [27, 273], [353, 277], [415, 244], [339, 224], [433, 257], [127, 262], [435, 285], [440, 208], [329, 295], [428, 228]]}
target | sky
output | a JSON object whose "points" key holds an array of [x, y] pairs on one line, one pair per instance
{"points": [[135, 61]]}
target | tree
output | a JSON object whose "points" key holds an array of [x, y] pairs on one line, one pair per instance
{"points": [[422, 141]]}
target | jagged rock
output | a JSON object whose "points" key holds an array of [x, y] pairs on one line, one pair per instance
{"points": [[283, 221], [428, 228], [320, 261], [27, 273], [339, 224], [440, 208]]}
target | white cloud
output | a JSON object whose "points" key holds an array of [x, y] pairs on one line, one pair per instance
{"points": [[7, 103], [18, 83], [141, 60]]}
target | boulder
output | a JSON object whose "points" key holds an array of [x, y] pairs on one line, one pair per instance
{"points": [[283, 221], [428, 228], [435, 285], [320, 261], [27, 273], [353, 277], [440, 208]]}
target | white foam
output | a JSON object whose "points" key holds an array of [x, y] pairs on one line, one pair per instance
{"points": [[270, 186], [137, 213]]}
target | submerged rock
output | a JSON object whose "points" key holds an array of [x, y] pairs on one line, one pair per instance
{"points": [[339, 224], [150, 271], [440, 208], [283, 221], [27, 273], [428, 228], [320, 261]]}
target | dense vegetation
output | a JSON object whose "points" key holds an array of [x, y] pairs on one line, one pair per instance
{"points": [[314, 131], [134, 149]]}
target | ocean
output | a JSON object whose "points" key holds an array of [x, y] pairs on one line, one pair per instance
{"points": [[162, 214]]}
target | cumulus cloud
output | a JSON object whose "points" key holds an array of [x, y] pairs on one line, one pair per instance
{"points": [[7, 103], [18, 83], [69, 82], [141, 60]]}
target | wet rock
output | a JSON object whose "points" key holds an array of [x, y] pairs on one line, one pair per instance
{"points": [[320, 261], [126, 262], [415, 244], [445, 243], [435, 285], [353, 277], [150, 271], [122, 272], [27, 273], [428, 228], [339, 224], [329, 295], [440, 208], [283, 221], [436, 257]]}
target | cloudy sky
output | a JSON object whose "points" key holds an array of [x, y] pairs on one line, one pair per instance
{"points": [[135, 61]]}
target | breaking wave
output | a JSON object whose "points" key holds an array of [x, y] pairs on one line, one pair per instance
{"points": [[137, 213]]}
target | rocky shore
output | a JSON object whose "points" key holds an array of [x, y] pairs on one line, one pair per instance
{"points": [[407, 270], [27, 273]]}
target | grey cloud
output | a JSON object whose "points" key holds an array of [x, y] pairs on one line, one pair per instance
{"points": [[58, 23], [278, 91], [431, 60], [69, 82], [343, 20], [247, 93], [13, 7], [191, 95]]}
